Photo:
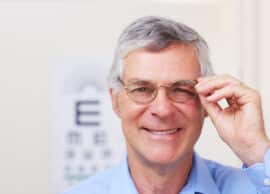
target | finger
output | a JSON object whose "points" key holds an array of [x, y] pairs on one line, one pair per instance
{"points": [[227, 92], [236, 94], [215, 83], [225, 77]]}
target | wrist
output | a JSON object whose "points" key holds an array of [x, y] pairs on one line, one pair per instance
{"points": [[255, 154]]}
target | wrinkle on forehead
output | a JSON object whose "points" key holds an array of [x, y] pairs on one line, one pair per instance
{"points": [[177, 59]]}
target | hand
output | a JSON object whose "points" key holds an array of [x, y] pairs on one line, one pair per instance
{"points": [[240, 125]]}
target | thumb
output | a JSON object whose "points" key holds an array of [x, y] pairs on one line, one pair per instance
{"points": [[211, 108]]}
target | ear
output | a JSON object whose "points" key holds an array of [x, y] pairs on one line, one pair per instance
{"points": [[115, 104]]}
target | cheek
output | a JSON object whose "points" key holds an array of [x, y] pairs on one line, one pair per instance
{"points": [[129, 111], [194, 121], [194, 114]]}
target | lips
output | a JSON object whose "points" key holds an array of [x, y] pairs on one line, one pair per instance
{"points": [[163, 131]]}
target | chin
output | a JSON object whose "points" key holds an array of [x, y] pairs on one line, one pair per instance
{"points": [[166, 157]]}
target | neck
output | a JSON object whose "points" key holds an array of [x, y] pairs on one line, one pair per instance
{"points": [[152, 178]]}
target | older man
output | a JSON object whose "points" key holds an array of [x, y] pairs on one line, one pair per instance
{"points": [[162, 87]]}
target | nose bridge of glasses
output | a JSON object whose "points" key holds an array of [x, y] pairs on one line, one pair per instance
{"points": [[165, 91]]}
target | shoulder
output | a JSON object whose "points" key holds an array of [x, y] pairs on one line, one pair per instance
{"points": [[99, 183], [219, 170], [229, 178]]}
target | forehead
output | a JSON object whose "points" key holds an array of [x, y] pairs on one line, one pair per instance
{"points": [[178, 61]]}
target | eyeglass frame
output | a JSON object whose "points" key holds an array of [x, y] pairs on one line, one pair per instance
{"points": [[191, 82]]}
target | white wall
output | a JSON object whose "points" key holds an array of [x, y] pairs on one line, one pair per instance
{"points": [[263, 58], [34, 35]]}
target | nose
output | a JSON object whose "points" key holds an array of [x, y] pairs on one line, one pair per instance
{"points": [[162, 106]]}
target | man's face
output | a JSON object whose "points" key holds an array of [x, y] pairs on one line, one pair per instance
{"points": [[162, 131]]}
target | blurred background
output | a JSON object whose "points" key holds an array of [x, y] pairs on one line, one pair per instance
{"points": [[50, 49]]}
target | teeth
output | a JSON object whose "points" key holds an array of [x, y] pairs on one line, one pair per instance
{"points": [[164, 132]]}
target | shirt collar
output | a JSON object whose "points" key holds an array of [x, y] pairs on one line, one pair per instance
{"points": [[122, 183], [200, 180]]}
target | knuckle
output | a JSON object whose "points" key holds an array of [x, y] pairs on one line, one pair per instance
{"points": [[256, 94], [230, 79], [235, 86], [225, 76]]}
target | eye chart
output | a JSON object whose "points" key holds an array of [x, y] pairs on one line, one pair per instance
{"points": [[86, 134]]}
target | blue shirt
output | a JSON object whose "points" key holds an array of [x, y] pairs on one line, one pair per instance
{"points": [[206, 177]]}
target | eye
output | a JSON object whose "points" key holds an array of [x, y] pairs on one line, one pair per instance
{"points": [[142, 89], [184, 91]]}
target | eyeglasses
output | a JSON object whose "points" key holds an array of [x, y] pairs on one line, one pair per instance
{"points": [[141, 91]]}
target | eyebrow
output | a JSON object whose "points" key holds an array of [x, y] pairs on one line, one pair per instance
{"points": [[139, 81], [184, 82]]}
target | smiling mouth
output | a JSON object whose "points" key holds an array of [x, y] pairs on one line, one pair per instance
{"points": [[163, 132]]}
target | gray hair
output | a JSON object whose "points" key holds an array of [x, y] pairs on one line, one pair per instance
{"points": [[156, 33]]}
